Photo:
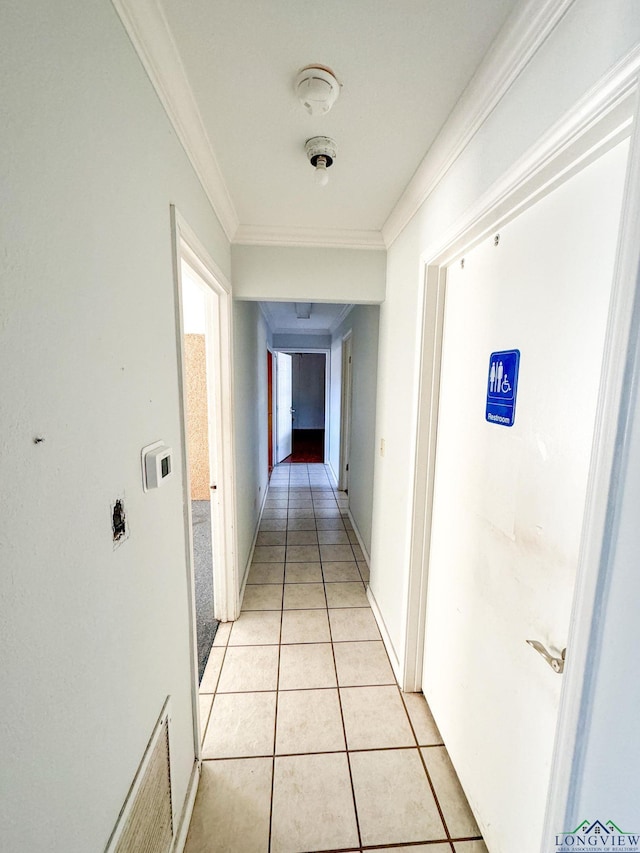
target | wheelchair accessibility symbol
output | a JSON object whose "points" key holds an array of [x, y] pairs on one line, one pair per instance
{"points": [[499, 379], [502, 385]]}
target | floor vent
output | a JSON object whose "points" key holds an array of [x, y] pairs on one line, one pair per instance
{"points": [[145, 824]]}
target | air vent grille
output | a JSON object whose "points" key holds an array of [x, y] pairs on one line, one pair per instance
{"points": [[146, 820]]}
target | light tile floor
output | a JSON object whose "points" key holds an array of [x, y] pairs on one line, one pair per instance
{"points": [[308, 743]]}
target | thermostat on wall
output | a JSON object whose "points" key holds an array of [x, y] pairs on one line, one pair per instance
{"points": [[157, 464]]}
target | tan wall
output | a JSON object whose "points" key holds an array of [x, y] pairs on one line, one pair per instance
{"points": [[197, 416]]}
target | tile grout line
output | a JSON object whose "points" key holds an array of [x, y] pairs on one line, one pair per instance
{"points": [[344, 733], [215, 691], [275, 719], [423, 762]]}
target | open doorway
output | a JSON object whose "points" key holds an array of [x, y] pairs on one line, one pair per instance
{"points": [[301, 406], [195, 296]]}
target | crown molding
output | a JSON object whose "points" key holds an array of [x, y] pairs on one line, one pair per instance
{"points": [[328, 238], [148, 30], [521, 36], [267, 313], [342, 316]]}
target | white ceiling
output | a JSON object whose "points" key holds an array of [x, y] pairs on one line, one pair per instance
{"points": [[324, 318], [403, 65]]}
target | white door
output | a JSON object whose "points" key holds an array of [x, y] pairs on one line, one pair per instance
{"points": [[283, 405], [345, 421], [509, 501]]}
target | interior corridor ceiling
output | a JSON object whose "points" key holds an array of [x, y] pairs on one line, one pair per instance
{"points": [[325, 317], [403, 66]]}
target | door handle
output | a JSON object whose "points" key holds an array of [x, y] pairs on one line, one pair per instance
{"points": [[556, 664], [293, 411]]}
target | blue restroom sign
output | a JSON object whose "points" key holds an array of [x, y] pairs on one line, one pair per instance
{"points": [[502, 386]]}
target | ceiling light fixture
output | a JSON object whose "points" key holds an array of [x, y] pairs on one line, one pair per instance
{"points": [[321, 152], [317, 89], [303, 310]]}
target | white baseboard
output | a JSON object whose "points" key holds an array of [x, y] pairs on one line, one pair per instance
{"points": [[247, 567], [332, 474], [386, 639], [359, 537], [187, 810]]}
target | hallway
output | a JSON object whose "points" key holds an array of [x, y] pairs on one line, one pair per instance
{"points": [[308, 744]]}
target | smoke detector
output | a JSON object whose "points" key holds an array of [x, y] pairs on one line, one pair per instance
{"points": [[317, 89], [321, 152]]}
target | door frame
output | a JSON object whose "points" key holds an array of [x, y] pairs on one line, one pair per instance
{"points": [[186, 246], [327, 397], [346, 391], [596, 123], [271, 408], [278, 366]]}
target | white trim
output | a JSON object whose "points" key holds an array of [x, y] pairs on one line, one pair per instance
{"points": [[522, 35], [187, 810], [327, 387], [346, 401], [332, 475], [610, 440], [601, 119], [196, 256], [151, 36], [342, 316], [247, 567], [267, 314], [595, 123], [386, 638], [185, 245], [367, 558], [429, 350], [326, 238], [184, 468]]}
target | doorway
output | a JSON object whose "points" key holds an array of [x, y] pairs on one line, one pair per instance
{"points": [[511, 484], [195, 296], [345, 407], [302, 406], [214, 534]]}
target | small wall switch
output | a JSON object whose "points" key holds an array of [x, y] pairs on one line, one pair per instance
{"points": [[382, 447]]}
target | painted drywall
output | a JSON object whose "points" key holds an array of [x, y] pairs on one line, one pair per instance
{"points": [[509, 502], [308, 390], [301, 341], [93, 638], [294, 274], [363, 322], [587, 42], [250, 415]]}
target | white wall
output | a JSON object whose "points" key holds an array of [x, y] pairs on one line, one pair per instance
{"points": [[250, 414], [308, 390], [291, 274], [588, 41], [363, 322], [301, 341], [93, 639]]}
